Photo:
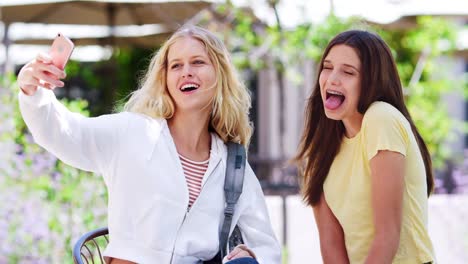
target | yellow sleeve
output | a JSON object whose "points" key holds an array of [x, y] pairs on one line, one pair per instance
{"points": [[384, 128]]}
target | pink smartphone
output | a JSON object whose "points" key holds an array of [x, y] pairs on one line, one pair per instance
{"points": [[61, 50]]}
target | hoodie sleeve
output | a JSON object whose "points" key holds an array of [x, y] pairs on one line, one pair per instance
{"points": [[85, 143], [254, 222]]}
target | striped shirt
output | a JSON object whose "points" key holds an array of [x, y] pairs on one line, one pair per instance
{"points": [[194, 172]]}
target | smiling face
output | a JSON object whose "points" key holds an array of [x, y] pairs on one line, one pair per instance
{"points": [[191, 77], [340, 83]]}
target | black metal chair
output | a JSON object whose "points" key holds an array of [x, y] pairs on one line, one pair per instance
{"points": [[88, 249]]}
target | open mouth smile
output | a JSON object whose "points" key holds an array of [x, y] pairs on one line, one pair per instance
{"points": [[189, 87], [334, 99]]}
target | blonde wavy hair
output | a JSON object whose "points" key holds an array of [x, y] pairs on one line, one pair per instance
{"points": [[231, 103]]}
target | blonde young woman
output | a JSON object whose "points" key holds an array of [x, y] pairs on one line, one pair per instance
{"points": [[163, 159]]}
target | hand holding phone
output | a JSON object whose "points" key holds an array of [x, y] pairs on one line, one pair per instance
{"points": [[40, 71], [61, 50]]}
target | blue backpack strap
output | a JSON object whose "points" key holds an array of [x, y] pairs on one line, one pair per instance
{"points": [[233, 183]]}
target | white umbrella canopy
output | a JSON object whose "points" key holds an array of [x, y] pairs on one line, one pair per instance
{"points": [[169, 13], [149, 41], [101, 12]]}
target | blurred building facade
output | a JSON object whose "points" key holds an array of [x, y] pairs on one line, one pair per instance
{"points": [[270, 156]]}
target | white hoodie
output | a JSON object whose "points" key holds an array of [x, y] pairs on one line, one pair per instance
{"points": [[148, 196]]}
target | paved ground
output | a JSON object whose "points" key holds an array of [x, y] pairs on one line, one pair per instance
{"points": [[447, 227]]}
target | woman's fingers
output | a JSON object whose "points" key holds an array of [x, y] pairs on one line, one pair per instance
{"points": [[49, 86], [45, 61], [48, 78], [50, 69], [44, 58], [40, 72], [239, 252]]}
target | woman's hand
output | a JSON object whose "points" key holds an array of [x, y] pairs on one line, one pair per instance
{"points": [[40, 72], [241, 251]]}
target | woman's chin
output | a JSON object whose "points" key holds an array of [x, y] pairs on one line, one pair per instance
{"points": [[333, 114]]}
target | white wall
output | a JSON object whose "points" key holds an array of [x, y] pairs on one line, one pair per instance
{"points": [[448, 228], [454, 68]]}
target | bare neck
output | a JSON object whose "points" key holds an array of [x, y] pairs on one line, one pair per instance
{"points": [[191, 135], [353, 125]]}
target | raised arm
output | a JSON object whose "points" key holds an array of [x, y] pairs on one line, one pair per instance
{"points": [[387, 172], [85, 143], [332, 243]]}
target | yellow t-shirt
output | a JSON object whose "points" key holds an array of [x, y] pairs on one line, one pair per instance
{"points": [[347, 188]]}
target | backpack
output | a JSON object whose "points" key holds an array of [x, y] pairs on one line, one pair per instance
{"points": [[233, 182]]}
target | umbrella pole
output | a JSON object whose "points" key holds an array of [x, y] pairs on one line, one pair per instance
{"points": [[111, 22], [6, 67]]}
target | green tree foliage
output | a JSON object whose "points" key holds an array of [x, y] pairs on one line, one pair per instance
{"points": [[46, 204], [423, 43], [416, 51], [106, 84], [131, 65]]}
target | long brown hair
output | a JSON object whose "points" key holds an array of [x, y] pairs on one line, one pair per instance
{"points": [[322, 137]]}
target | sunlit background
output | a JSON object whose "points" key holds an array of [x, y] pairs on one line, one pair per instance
{"points": [[45, 205]]}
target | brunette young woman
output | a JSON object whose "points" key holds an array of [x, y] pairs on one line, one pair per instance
{"points": [[367, 171]]}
